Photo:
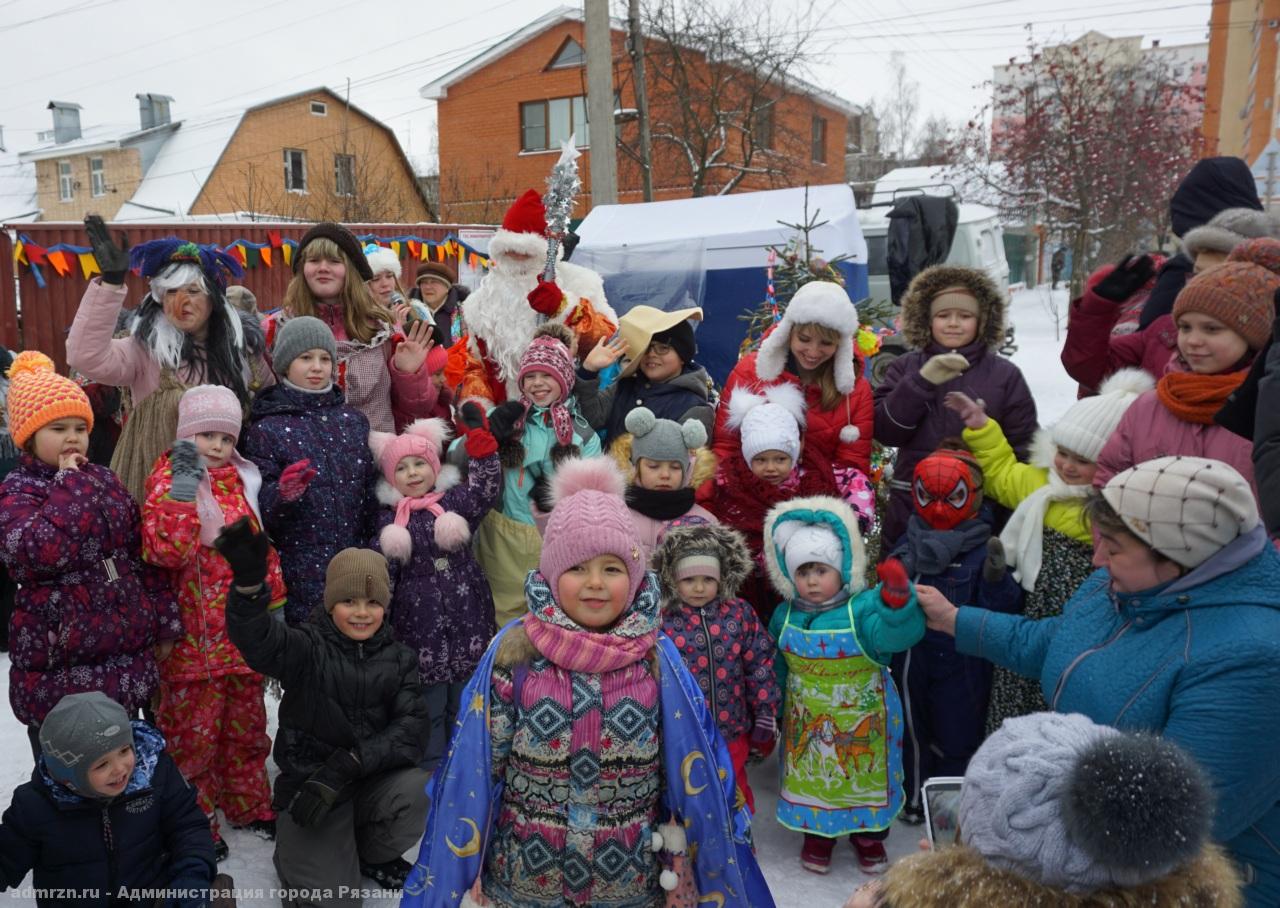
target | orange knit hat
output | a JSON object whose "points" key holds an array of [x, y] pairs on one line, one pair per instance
{"points": [[38, 396]]}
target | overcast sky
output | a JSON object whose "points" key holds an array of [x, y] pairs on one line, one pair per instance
{"points": [[233, 53]]}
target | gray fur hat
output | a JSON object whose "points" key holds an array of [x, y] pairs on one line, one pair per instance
{"points": [[78, 732], [664, 439], [726, 545], [1074, 805], [1228, 229], [296, 337]]}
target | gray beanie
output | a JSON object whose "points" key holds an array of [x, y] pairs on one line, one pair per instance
{"points": [[1229, 228], [297, 336], [78, 732], [1078, 806], [664, 439]]}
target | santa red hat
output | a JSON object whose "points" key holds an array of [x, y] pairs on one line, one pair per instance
{"points": [[523, 229]]}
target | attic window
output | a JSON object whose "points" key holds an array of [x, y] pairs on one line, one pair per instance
{"points": [[319, 109], [570, 54]]}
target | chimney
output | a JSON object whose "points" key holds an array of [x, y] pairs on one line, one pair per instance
{"points": [[153, 110], [1155, 42], [66, 121]]}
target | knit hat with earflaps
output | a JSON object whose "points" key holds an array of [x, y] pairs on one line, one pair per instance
{"points": [[1079, 806], [357, 574], [1086, 427], [1186, 508], [1238, 293], [80, 730], [343, 238], [770, 421], [816, 303], [1229, 229], [38, 396]]}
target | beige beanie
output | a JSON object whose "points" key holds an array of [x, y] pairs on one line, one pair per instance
{"points": [[357, 574], [1186, 508]]}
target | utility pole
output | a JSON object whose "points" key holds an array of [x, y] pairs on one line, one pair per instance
{"points": [[604, 149], [635, 44]]}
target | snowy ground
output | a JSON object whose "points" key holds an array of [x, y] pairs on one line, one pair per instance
{"points": [[778, 849]]}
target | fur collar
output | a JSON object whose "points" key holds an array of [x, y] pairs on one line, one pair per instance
{"points": [[727, 544], [930, 282], [831, 511], [387, 495], [960, 877]]}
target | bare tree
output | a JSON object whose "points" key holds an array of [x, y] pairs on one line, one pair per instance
{"points": [[482, 199], [727, 97], [933, 146], [898, 109]]}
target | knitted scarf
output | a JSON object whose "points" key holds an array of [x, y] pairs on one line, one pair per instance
{"points": [[571, 646], [561, 418], [212, 520], [1196, 398], [927, 551], [1023, 536], [406, 506], [665, 504]]}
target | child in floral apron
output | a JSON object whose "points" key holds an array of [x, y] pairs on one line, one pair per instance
{"points": [[841, 720]]}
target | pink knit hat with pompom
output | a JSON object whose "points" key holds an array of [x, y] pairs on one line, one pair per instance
{"points": [[590, 518], [423, 438]]}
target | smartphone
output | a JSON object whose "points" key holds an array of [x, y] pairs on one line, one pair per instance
{"points": [[941, 796]]}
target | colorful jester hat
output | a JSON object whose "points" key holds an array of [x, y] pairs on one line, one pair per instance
{"points": [[151, 258]]}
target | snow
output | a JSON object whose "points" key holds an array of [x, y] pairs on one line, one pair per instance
{"points": [[178, 173], [778, 849]]}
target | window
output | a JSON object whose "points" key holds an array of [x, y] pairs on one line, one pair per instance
{"points": [[819, 153], [319, 109], [66, 187], [97, 179], [762, 127], [570, 54], [295, 170], [545, 124], [344, 174]]}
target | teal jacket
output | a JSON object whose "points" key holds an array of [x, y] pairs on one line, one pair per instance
{"points": [[538, 440], [1196, 660]]}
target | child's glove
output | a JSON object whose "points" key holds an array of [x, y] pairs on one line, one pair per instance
{"points": [[545, 298], [113, 259], [246, 552], [323, 787], [995, 565], [1130, 274], [184, 461], [895, 587], [973, 413], [480, 440], [540, 494], [943, 367], [295, 478], [764, 735]]}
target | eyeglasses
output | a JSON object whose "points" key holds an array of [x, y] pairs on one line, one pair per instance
{"points": [[660, 349]]}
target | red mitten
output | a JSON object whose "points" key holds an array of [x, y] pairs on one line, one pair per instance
{"points": [[896, 585], [545, 298], [295, 478], [480, 441]]}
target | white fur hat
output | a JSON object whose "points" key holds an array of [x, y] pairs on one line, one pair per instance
{"points": [[818, 303], [770, 421], [382, 259], [1085, 428]]}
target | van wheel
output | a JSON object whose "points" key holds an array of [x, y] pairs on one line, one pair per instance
{"points": [[879, 363]]}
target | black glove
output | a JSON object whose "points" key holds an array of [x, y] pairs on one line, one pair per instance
{"points": [[323, 787], [995, 565], [245, 551], [472, 416], [1129, 276], [540, 494], [184, 460], [504, 419], [113, 260]]}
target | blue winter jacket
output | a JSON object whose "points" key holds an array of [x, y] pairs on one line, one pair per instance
{"points": [[1196, 660]]}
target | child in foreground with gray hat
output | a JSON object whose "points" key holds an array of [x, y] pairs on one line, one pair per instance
{"points": [[350, 797], [1057, 811], [106, 810]]}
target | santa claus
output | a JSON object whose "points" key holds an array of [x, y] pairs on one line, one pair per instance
{"points": [[513, 300]]}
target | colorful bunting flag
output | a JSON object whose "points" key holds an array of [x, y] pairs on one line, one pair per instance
{"points": [[89, 265]]}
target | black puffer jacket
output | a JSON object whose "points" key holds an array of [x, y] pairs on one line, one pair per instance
{"points": [[338, 693]]}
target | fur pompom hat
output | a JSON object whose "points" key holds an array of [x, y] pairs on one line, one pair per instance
{"points": [[1239, 293], [381, 259], [816, 303], [38, 396], [1078, 806], [423, 438], [590, 518], [665, 439], [769, 421], [1085, 428]]}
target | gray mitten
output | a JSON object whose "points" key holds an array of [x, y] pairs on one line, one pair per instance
{"points": [[994, 567], [187, 470]]}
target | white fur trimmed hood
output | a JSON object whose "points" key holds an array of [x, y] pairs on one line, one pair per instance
{"points": [[823, 509], [387, 495], [821, 303]]}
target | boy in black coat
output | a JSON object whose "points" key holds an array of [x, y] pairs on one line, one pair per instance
{"points": [[350, 796], [106, 814]]}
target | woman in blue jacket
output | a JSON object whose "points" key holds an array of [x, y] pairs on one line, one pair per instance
{"points": [[1178, 634]]}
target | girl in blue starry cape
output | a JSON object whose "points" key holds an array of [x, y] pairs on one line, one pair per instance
{"points": [[841, 721], [585, 766]]}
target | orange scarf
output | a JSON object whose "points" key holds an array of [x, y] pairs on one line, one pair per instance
{"points": [[1196, 398]]}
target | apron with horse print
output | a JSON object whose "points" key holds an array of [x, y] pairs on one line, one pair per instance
{"points": [[841, 759]]}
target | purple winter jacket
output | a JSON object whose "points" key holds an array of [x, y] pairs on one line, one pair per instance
{"points": [[442, 607], [88, 611], [910, 415], [337, 510]]}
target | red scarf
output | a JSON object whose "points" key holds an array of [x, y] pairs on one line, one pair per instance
{"points": [[1196, 398]]}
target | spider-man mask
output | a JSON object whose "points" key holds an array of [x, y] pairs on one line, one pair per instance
{"points": [[947, 493]]}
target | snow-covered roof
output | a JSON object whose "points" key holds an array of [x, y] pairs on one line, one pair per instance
{"points": [[967, 188], [18, 203], [170, 186], [92, 138]]}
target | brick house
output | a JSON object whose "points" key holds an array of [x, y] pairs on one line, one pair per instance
{"points": [[308, 156], [502, 116]]}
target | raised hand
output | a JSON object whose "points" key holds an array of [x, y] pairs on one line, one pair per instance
{"points": [[184, 462], [972, 412], [943, 367], [480, 441], [605, 353], [295, 478], [113, 260], [895, 589], [412, 351], [1130, 274], [246, 553]]}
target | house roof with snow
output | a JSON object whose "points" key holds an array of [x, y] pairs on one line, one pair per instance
{"points": [[180, 169]]}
